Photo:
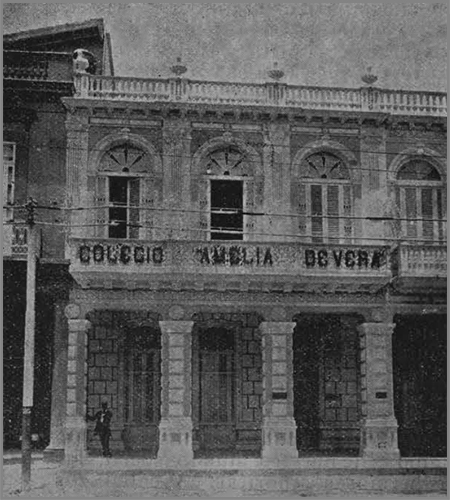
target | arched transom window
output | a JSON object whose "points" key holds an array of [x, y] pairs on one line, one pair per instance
{"points": [[227, 166], [420, 198], [325, 200], [122, 189]]}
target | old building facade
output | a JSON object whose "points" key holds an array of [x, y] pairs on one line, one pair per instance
{"points": [[258, 270]]}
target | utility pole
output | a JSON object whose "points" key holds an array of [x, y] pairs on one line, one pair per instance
{"points": [[28, 359]]}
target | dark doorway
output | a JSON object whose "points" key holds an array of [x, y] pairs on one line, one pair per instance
{"points": [[326, 384], [420, 384], [226, 210], [216, 402], [142, 389]]}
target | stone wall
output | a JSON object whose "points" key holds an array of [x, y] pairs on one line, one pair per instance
{"points": [[103, 379]]}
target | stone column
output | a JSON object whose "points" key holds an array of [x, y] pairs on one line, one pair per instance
{"points": [[379, 425], [175, 428], [75, 449], [55, 449], [279, 427]]}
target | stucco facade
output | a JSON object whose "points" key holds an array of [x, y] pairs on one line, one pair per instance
{"points": [[244, 301], [256, 270]]}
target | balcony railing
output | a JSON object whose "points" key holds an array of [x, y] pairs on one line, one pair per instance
{"points": [[269, 94], [15, 241], [422, 261], [40, 66]]}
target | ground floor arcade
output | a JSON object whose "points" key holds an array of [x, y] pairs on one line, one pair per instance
{"points": [[221, 376]]}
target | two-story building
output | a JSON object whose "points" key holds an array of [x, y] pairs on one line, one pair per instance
{"points": [[260, 269], [37, 71], [251, 270]]}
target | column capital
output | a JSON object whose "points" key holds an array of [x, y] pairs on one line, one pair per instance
{"points": [[378, 315], [376, 328], [268, 327], [78, 325], [176, 326]]}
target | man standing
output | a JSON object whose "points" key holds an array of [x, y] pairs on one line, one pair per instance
{"points": [[102, 427]]}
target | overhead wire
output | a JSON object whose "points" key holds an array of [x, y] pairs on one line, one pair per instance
{"points": [[252, 233], [227, 212]]}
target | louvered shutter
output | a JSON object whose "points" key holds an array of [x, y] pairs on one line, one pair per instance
{"points": [[440, 215], [302, 208], [347, 211], [411, 212], [427, 213], [147, 204], [101, 212], [333, 213], [316, 214], [134, 202], [249, 207]]}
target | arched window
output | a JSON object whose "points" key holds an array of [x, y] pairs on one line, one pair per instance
{"points": [[227, 182], [121, 185], [325, 199], [420, 198], [226, 193]]}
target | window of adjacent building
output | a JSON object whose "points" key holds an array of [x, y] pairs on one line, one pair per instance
{"points": [[227, 221], [325, 199], [420, 197], [9, 163]]}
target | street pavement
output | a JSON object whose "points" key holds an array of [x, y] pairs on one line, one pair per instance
{"points": [[108, 479]]}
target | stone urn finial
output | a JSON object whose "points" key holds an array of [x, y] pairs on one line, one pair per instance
{"points": [[83, 61], [369, 78], [178, 69], [275, 73]]}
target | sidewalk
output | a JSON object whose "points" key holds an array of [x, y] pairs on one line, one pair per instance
{"points": [[137, 478]]}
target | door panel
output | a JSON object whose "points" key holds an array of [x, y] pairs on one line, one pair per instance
{"points": [[217, 420], [214, 404]]}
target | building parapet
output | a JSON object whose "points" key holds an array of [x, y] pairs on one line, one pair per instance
{"points": [[178, 90]]}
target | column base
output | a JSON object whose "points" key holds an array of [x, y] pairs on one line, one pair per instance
{"points": [[175, 439], [279, 439], [75, 447], [379, 439], [54, 455]]}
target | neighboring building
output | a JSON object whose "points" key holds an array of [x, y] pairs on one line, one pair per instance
{"points": [[37, 72], [258, 270]]}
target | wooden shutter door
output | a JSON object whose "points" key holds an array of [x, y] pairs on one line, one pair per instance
{"points": [[316, 214], [427, 213], [147, 204], [333, 213], [134, 202], [411, 212], [101, 212]]}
